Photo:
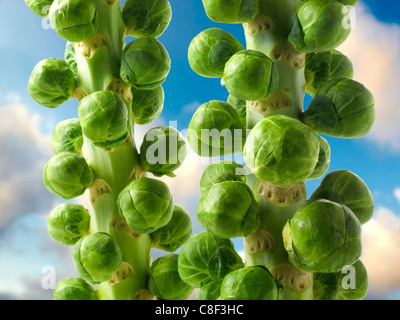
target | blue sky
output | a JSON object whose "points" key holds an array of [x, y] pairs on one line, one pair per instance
{"points": [[25, 246]]}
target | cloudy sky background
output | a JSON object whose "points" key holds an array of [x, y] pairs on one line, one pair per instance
{"points": [[28, 254]]}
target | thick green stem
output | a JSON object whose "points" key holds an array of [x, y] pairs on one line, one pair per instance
{"points": [[98, 67], [268, 33]]}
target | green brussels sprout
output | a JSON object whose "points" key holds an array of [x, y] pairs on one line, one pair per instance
{"points": [[345, 187], [353, 285], [67, 136], [104, 119], [68, 222], [229, 210], [67, 175], [319, 26], [96, 257], [175, 233], [163, 150], [39, 7], [145, 63], [210, 50], [219, 172], [325, 286], [205, 258], [70, 57], [74, 289], [146, 18], [215, 130], [324, 159], [51, 83], [323, 236], [164, 281], [209, 291], [250, 283], [342, 108], [147, 104], [352, 3], [74, 20], [146, 204], [228, 11], [240, 107], [324, 66], [250, 75], [281, 150]]}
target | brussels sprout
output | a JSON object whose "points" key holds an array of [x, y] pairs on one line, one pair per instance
{"points": [[96, 257], [353, 285], [68, 222], [219, 172], [325, 286], [163, 150], [205, 258], [215, 130], [39, 7], [323, 236], [281, 150], [70, 57], [240, 107], [51, 83], [146, 18], [67, 136], [67, 175], [164, 280], [345, 187], [74, 20], [324, 66], [319, 26], [74, 289], [249, 283], [210, 50], [209, 291], [147, 104], [250, 75], [342, 108], [175, 233], [229, 210], [145, 63], [352, 3], [324, 159], [228, 11], [104, 119], [146, 204]]}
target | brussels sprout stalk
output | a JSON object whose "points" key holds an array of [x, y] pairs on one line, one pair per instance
{"points": [[97, 152]]}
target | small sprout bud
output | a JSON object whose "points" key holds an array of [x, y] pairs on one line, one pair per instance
{"points": [[74, 20], [96, 257], [67, 136], [163, 150], [145, 63], [175, 233], [51, 83], [146, 18], [249, 283], [324, 159], [74, 289], [68, 222], [210, 50], [67, 175], [228, 11], [164, 281], [104, 119], [250, 75], [147, 105], [146, 204]]}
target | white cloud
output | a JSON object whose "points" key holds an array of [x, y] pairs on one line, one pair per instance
{"points": [[374, 48], [397, 193], [381, 252]]}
